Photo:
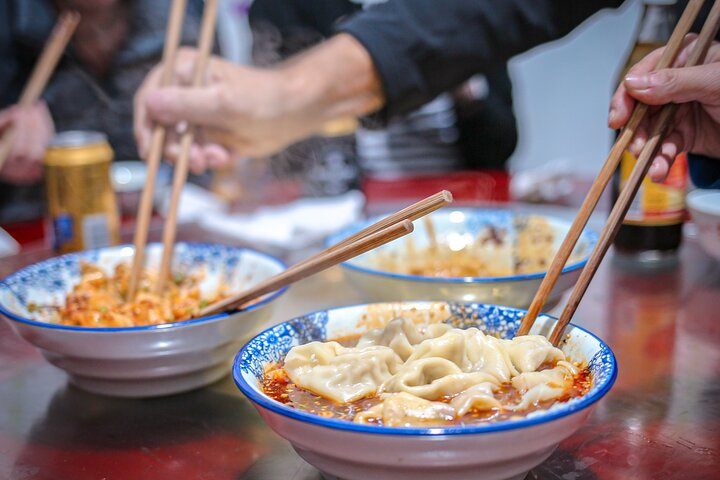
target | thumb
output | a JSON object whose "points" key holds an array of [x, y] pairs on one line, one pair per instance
{"points": [[199, 106], [7, 116], [677, 85]]}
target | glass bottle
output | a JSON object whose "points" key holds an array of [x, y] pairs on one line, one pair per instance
{"points": [[652, 229]]}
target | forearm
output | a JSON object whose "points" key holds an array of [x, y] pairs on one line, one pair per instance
{"points": [[335, 80], [424, 47]]}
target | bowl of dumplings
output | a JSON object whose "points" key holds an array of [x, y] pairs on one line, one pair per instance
{"points": [[468, 255], [423, 390]]}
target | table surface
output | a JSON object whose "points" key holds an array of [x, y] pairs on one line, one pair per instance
{"points": [[661, 420]]}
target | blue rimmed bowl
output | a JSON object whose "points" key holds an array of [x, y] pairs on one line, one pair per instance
{"points": [[342, 449], [455, 227], [140, 361]]}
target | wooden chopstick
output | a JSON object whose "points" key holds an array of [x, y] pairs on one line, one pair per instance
{"points": [[593, 196], [707, 34], [412, 212], [205, 43], [327, 258], [49, 58], [172, 41]]}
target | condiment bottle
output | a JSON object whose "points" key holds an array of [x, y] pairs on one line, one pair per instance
{"points": [[652, 229]]}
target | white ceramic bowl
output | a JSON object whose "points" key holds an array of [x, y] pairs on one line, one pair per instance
{"points": [[704, 206], [462, 224], [342, 449], [149, 360]]}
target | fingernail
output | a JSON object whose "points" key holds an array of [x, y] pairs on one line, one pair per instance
{"points": [[637, 82], [611, 115]]}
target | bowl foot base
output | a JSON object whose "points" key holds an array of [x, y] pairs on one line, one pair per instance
{"points": [[514, 469], [151, 387]]}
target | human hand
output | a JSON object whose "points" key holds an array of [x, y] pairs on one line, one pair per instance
{"points": [[256, 112], [696, 126], [30, 130]]}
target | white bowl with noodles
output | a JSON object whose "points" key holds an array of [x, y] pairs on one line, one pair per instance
{"points": [[505, 449], [382, 273], [141, 361]]}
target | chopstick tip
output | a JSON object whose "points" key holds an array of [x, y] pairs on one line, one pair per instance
{"points": [[407, 226], [447, 196]]}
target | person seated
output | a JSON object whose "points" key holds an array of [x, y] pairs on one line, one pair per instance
{"points": [[114, 46]]}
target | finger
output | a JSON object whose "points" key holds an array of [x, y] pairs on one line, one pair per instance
{"points": [[623, 102], [671, 146], [197, 161], [199, 106], [171, 151], [688, 44], [216, 156], [621, 106], [677, 85], [142, 127], [639, 140], [184, 66]]}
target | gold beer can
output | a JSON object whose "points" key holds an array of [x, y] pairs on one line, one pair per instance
{"points": [[81, 202]]}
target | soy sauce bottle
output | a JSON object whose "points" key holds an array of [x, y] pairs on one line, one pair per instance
{"points": [[652, 229]]}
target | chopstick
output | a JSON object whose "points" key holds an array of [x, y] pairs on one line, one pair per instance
{"points": [[207, 34], [327, 258], [412, 212], [608, 169], [353, 243], [49, 58], [172, 41], [667, 113]]}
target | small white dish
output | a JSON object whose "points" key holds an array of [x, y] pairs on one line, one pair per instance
{"points": [[140, 361], [452, 224], [351, 451], [704, 206]]}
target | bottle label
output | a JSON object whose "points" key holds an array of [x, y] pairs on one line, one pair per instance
{"points": [[63, 230], [657, 204]]}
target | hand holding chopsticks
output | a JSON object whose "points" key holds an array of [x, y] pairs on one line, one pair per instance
{"points": [[386, 230], [54, 48], [620, 209], [172, 40]]}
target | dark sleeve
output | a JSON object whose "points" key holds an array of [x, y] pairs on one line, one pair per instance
{"points": [[704, 171], [424, 47], [8, 60]]}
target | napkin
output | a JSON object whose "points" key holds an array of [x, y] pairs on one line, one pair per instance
{"points": [[295, 225], [8, 245], [195, 202]]}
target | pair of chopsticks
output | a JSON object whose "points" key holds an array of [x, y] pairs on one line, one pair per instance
{"points": [[49, 58], [707, 34], [386, 230], [172, 40]]}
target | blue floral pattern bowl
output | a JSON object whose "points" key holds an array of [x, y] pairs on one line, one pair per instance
{"points": [[501, 450], [461, 226], [147, 360]]}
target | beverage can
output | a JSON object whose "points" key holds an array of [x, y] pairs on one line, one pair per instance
{"points": [[82, 211]]}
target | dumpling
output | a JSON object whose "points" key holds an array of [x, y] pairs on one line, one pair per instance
{"points": [[479, 397], [544, 385], [471, 351], [528, 352], [338, 373], [432, 378], [401, 334], [405, 410]]}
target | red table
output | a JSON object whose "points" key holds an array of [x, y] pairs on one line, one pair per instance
{"points": [[660, 421]]}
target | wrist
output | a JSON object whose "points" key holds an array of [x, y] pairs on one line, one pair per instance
{"points": [[336, 80]]}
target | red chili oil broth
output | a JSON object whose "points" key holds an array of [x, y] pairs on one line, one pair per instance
{"points": [[278, 386]]}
